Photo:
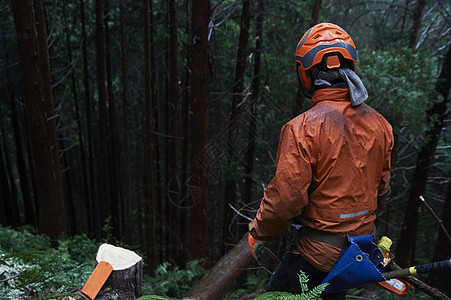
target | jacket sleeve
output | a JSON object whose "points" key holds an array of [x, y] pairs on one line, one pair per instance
{"points": [[384, 185], [286, 194]]}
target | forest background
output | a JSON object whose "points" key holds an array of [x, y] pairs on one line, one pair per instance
{"points": [[143, 123]]}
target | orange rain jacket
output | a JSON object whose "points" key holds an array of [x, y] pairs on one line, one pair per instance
{"points": [[333, 163]]}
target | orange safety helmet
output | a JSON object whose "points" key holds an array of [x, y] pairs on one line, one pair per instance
{"points": [[324, 44]]}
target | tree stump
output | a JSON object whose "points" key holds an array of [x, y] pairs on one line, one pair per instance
{"points": [[125, 281]]}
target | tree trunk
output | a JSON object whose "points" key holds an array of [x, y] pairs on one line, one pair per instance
{"points": [[441, 279], [114, 167], [94, 224], [173, 142], [31, 166], [10, 215], [404, 15], [4, 196], [417, 16], [14, 196], [84, 194], [126, 200], [315, 12], [200, 18], [435, 116], [30, 211], [185, 132], [71, 208], [164, 170], [40, 111], [233, 156], [218, 281], [149, 146], [103, 171], [249, 165], [347, 5]]}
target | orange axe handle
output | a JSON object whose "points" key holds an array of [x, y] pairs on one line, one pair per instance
{"points": [[97, 279]]}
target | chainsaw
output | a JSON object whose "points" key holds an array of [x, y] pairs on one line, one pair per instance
{"points": [[394, 283]]}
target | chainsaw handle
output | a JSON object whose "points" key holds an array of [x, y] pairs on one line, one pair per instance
{"points": [[440, 265]]}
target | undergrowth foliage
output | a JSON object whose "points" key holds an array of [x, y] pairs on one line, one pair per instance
{"points": [[313, 294], [29, 267], [173, 282]]}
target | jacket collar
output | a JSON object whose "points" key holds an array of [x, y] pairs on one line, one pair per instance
{"points": [[331, 94]]}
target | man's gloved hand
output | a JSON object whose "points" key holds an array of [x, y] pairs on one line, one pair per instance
{"points": [[255, 245]]}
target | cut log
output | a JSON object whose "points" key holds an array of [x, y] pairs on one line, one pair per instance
{"points": [[218, 281], [125, 280]]}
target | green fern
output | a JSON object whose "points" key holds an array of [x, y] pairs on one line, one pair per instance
{"points": [[171, 281], [151, 297], [278, 296], [303, 280], [28, 265], [57, 296], [314, 294]]}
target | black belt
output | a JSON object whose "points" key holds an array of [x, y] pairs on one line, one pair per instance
{"points": [[336, 240]]}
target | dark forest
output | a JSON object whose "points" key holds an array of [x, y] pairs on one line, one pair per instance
{"points": [[154, 125]]}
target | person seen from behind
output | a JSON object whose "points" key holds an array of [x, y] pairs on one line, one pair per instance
{"points": [[333, 164]]}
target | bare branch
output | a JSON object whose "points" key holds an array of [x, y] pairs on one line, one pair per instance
{"points": [[240, 214], [10, 278], [436, 217]]}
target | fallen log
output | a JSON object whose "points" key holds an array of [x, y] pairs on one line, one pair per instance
{"points": [[218, 281]]}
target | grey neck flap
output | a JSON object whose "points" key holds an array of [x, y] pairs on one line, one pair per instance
{"points": [[357, 90]]}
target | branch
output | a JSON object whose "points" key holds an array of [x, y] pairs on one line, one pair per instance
{"points": [[10, 278], [436, 217], [240, 214]]}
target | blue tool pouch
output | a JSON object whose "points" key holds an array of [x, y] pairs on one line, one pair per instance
{"points": [[359, 265]]}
